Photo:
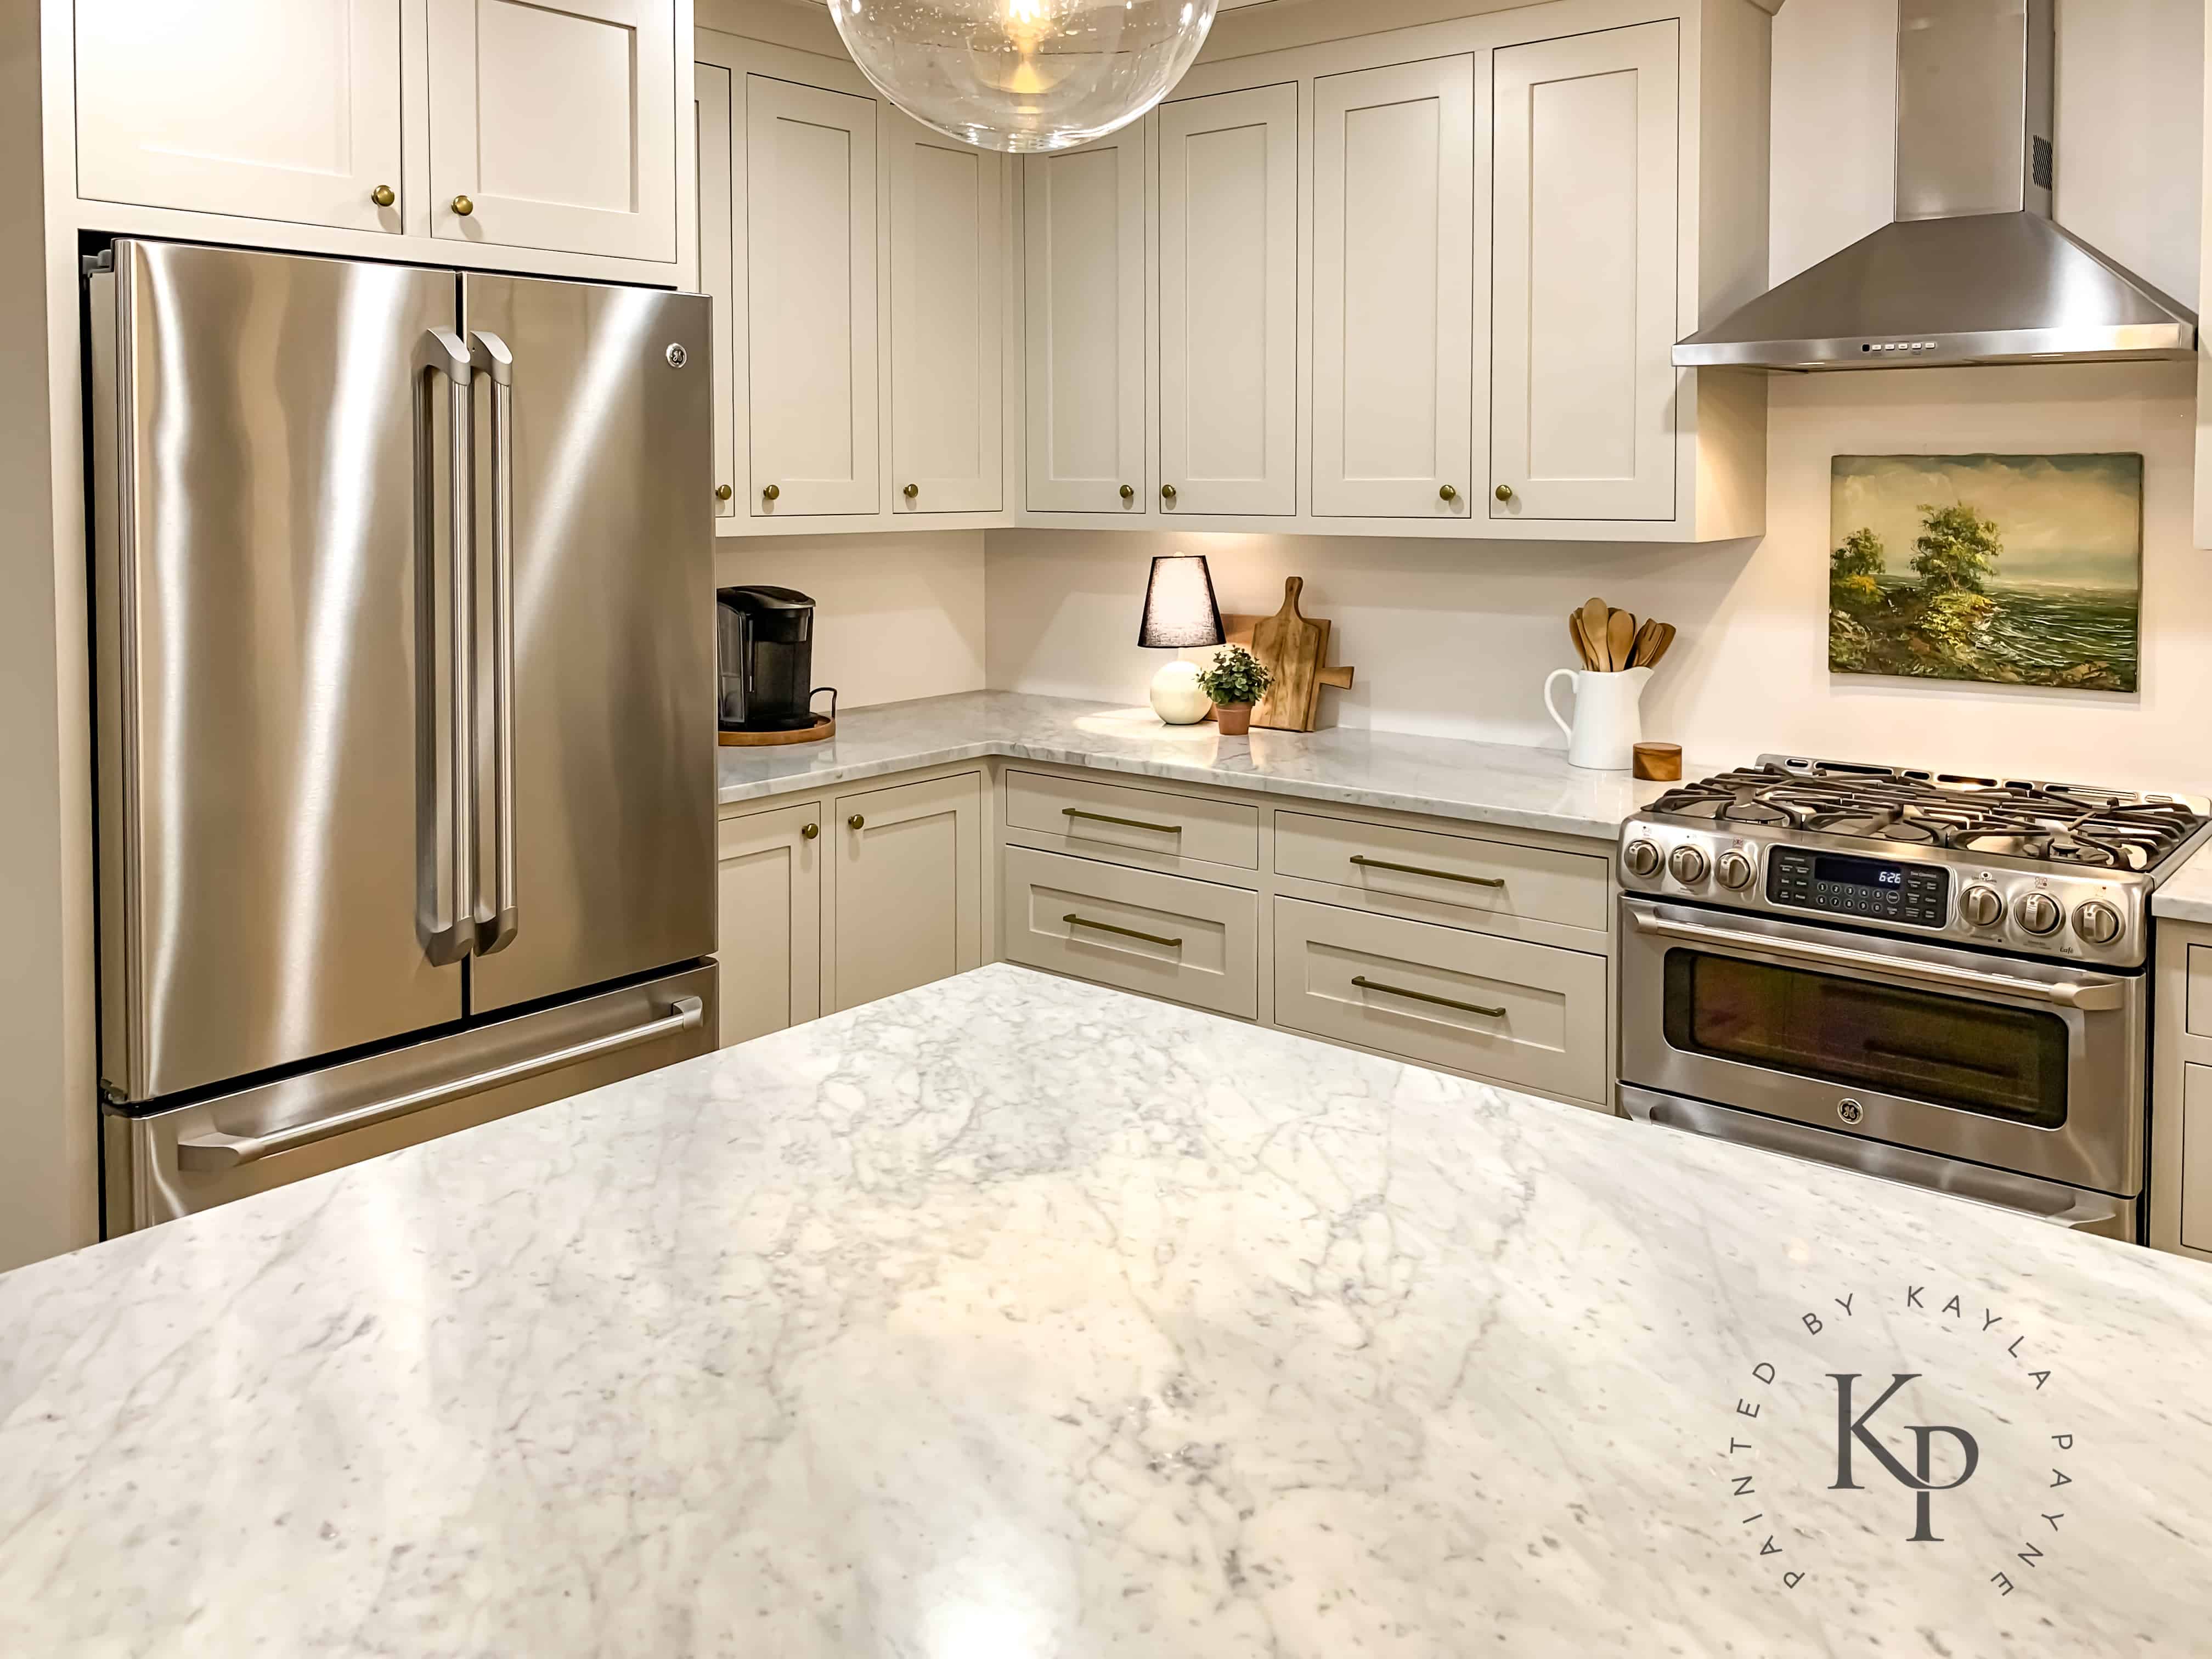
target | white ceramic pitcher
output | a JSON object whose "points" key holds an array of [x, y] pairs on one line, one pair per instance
{"points": [[1608, 720]]}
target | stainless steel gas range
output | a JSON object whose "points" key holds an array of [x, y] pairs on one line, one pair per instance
{"points": [[1936, 979]]}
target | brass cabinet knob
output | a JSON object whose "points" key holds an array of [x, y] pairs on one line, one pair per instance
{"points": [[1447, 494], [810, 831], [723, 492], [856, 822], [382, 196], [1167, 492], [911, 491], [770, 494], [1505, 492], [1128, 492], [462, 206]]}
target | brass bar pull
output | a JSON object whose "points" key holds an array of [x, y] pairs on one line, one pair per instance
{"points": [[1074, 920], [1366, 863], [1133, 824], [1367, 984]]}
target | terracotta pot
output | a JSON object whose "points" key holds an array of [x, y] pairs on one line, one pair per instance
{"points": [[1235, 719]]}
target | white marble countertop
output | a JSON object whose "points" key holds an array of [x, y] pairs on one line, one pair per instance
{"points": [[1019, 1317], [1445, 777], [2186, 896]]}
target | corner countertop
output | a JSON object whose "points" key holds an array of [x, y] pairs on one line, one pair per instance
{"points": [[1015, 1315], [1443, 777], [2186, 896]]}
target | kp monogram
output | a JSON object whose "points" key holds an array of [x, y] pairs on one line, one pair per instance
{"points": [[1920, 1477]]}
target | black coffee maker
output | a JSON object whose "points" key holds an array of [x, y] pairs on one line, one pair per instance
{"points": [[766, 655]]}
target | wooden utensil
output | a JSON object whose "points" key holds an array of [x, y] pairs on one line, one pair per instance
{"points": [[1597, 616], [1295, 649], [1619, 640], [1660, 642], [1639, 655], [1580, 637]]}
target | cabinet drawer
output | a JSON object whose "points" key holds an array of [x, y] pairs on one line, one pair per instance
{"points": [[2199, 1014], [1522, 1013], [1494, 879], [1188, 940], [2197, 1156], [1106, 816]]}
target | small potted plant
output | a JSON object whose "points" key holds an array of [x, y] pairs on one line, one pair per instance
{"points": [[1235, 680]]}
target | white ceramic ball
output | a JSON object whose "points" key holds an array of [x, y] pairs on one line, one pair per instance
{"points": [[1176, 696]]}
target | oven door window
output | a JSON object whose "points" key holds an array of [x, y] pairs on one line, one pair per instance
{"points": [[1948, 1050]]}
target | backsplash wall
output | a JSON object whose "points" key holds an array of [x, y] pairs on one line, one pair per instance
{"points": [[895, 615]]}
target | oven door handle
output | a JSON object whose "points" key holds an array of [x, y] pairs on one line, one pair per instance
{"points": [[2090, 995]]}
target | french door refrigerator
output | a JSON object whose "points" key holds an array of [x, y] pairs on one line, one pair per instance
{"points": [[404, 681]]}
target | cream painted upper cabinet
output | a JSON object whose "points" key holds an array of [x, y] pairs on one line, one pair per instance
{"points": [[716, 277], [948, 212], [811, 287], [273, 109], [1584, 223], [1082, 227], [1393, 291], [553, 125], [1229, 325]]}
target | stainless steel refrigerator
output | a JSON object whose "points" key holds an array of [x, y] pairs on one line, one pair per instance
{"points": [[404, 688]]}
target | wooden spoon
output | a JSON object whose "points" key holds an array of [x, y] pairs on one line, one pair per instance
{"points": [[1597, 616], [1575, 632], [1619, 640], [1639, 655], [1660, 642]]}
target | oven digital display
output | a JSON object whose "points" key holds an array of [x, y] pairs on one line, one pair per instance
{"points": [[1857, 873], [1916, 894]]}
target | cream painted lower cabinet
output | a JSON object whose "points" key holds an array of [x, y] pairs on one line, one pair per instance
{"points": [[2181, 1092], [1189, 941], [1525, 1014], [769, 911]]}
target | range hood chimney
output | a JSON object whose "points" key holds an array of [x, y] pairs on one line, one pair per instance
{"points": [[1974, 271]]}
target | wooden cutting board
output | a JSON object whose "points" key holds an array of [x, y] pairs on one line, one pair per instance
{"points": [[1295, 649]]}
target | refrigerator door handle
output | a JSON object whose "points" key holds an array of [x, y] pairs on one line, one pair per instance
{"points": [[449, 934], [488, 353], [214, 1150]]}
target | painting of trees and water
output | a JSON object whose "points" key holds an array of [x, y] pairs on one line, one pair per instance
{"points": [[2007, 569]]}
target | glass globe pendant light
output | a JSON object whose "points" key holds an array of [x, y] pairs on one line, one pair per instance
{"points": [[1023, 75]]}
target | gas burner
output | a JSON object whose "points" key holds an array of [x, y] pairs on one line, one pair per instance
{"points": [[2072, 825]]}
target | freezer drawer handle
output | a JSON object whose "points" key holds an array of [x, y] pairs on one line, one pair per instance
{"points": [[2092, 995], [214, 1150], [488, 353]]}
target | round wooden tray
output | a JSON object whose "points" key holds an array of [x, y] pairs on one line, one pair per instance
{"points": [[825, 725]]}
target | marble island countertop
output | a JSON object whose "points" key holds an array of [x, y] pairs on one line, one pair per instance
{"points": [[1445, 777], [1014, 1318]]}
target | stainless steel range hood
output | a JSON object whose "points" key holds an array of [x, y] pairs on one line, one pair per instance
{"points": [[1974, 271]]}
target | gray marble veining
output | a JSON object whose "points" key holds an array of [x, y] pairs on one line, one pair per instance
{"points": [[2186, 895], [1014, 1318], [1445, 777]]}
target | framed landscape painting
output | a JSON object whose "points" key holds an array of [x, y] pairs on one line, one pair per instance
{"points": [[2006, 569]]}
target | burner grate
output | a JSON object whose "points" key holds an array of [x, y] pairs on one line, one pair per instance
{"points": [[2055, 824]]}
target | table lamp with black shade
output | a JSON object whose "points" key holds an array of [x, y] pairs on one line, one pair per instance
{"points": [[1180, 613]]}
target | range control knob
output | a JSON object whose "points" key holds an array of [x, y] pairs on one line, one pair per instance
{"points": [[2040, 914], [1981, 907], [1736, 870], [1642, 858], [1688, 865], [2097, 922]]}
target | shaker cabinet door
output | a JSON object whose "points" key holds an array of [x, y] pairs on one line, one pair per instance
{"points": [[906, 900], [948, 321], [716, 276], [278, 109], [1229, 301], [811, 296], [554, 126], [769, 937], [1584, 235], [1393, 291], [1084, 238]]}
